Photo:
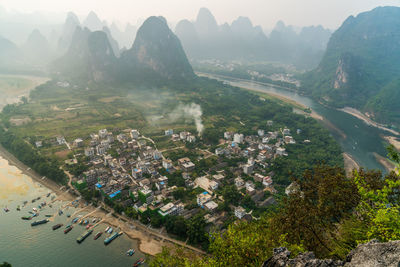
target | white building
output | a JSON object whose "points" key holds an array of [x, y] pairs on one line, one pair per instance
{"points": [[78, 142], [171, 209], [167, 164], [260, 132], [240, 212], [239, 182], [103, 133], [238, 138], [169, 132], [89, 151], [101, 149], [280, 151], [134, 134], [248, 169], [228, 135], [203, 198]]}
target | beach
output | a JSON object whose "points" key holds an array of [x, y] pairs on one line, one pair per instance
{"points": [[393, 141]]}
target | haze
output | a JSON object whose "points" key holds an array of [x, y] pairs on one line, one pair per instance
{"points": [[329, 13]]}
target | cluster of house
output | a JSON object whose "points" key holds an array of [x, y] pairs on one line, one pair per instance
{"points": [[126, 167], [260, 148], [182, 136]]}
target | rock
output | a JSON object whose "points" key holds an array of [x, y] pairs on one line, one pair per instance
{"points": [[372, 254], [281, 259], [375, 254]]}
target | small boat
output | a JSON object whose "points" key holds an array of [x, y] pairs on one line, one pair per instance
{"points": [[48, 194], [75, 220], [130, 252], [85, 222], [35, 214], [88, 226], [55, 227], [25, 202], [94, 220], [34, 209], [108, 228], [97, 235], [18, 208], [48, 215], [138, 262], [37, 198], [6, 209], [39, 207], [26, 218], [81, 222], [33, 200], [60, 212], [68, 215], [66, 231]]}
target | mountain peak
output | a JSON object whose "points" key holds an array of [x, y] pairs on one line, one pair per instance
{"points": [[93, 22], [158, 49], [205, 24]]}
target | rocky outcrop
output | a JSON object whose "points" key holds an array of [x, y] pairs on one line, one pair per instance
{"points": [[281, 258], [372, 254], [375, 254]]}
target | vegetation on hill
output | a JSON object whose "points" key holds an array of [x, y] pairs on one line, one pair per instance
{"points": [[361, 65], [329, 214]]}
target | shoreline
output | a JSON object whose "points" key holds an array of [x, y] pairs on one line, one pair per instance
{"points": [[393, 141], [349, 163], [389, 166], [358, 114], [149, 242]]}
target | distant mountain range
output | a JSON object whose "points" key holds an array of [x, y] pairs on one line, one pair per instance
{"points": [[156, 54], [361, 65], [205, 39]]}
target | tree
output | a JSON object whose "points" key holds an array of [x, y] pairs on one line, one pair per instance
{"points": [[310, 215], [5, 264], [195, 229], [231, 195]]}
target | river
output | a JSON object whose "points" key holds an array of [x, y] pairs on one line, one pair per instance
{"points": [[356, 138]]}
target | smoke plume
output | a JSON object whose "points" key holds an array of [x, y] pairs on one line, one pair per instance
{"points": [[192, 110]]}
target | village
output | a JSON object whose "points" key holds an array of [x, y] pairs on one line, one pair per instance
{"points": [[128, 170]]}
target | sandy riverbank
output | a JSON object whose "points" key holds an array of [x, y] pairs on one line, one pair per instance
{"points": [[349, 163], [393, 141], [358, 114], [56, 188], [389, 166]]}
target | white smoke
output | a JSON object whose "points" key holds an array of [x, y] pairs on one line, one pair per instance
{"points": [[193, 111]]}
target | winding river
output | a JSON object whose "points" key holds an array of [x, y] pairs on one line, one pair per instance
{"points": [[356, 138]]}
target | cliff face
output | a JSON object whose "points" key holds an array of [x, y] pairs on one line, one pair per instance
{"points": [[371, 254]]}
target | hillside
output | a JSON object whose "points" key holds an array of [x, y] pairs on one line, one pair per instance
{"points": [[361, 65]]}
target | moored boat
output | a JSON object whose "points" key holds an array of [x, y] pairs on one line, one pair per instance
{"points": [[66, 231], [130, 252], [109, 239], [26, 217], [55, 227], [6, 209], [97, 235], [84, 235], [106, 230], [138, 262], [110, 230], [39, 222]]}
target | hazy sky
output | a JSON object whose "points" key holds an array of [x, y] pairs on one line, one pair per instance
{"points": [[329, 13]]}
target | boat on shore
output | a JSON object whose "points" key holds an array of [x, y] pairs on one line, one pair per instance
{"points": [[110, 230], [83, 236], [97, 235], [6, 209], [106, 230], [26, 218], [88, 226], [39, 222], [55, 227], [18, 208], [138, 262], [48, 215], [68, 229]]}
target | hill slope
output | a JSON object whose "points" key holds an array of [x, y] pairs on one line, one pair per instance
{"points": [[361, 65]]}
